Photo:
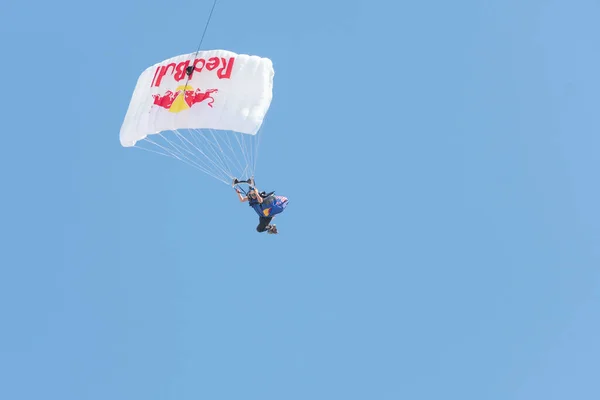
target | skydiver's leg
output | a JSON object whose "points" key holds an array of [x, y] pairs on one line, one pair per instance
{"points": [[263, 224]]}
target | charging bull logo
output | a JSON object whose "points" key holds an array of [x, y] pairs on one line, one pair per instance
{"points": [[184, 98]]}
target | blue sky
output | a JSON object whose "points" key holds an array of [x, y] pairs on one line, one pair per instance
{"points": [[441, 240]]}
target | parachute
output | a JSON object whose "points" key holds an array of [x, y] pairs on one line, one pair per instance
{"points": [[205, 109]]}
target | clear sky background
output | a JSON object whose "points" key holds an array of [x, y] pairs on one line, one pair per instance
{"points": [[441, 242]]}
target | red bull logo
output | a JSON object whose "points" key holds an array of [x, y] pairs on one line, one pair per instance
{"points": [[184, 98], [222, 66]]}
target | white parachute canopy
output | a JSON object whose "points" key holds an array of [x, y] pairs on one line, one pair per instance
{"points": [[203, 108]]}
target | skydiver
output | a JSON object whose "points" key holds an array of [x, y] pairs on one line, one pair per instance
{"points": [[266, 205]]}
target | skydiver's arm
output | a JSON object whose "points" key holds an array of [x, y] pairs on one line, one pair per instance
{"points": [[242, 198], [258, 196]]}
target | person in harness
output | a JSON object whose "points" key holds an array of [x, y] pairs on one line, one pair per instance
{"points": [[266, 205]]}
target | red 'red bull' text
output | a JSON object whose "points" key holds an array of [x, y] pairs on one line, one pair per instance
{"points": [[178, 70]]}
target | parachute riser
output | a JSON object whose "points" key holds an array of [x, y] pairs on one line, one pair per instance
{"points": [[241, 190], [250, 182]]}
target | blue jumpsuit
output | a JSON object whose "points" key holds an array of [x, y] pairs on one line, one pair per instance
{"points": [[271, 206]]}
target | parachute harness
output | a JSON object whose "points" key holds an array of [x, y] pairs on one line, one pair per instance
{"points": [[236, 185]]}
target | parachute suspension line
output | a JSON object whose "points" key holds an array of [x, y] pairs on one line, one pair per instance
{"points": [[245, 144], [246, 154], [197, 162], [180, 136], [220, 154], [209, 153], [244, 171], [233, 152], [249, 162], [253, 141], [225, 158], [153, 151], [190, 69], [250, 155], [236, 163], [172, 154], [259, 136], [221, 157], [178, 151], [243, 153], [215, 148], [257, 143], [243, 168], [250, 158]]}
